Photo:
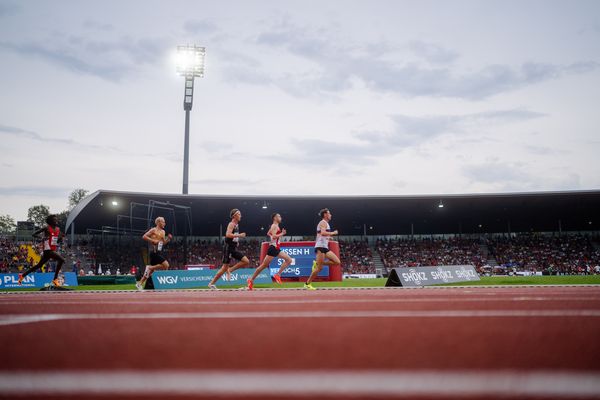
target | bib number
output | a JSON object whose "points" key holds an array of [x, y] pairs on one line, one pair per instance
{"points": [[159, 246], [54, 241]]}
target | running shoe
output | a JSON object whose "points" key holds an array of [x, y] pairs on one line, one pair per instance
{"points": [[250, 284], [139, 286], [20, 281], [277, 278], [55, 282], [212, 286], [309, 286]]}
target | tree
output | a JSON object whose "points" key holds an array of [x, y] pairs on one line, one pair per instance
{"points": [[76, 196], [7, 224], [62, 219], [37, 214]]}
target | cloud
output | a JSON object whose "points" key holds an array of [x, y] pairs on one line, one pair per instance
{"points": [[510, 176], [432, 52], [494, 171], [111, 60], [8, 9], [334, 67], [543, 150], [368, 147], [6, 130], [97, 25], [199, 26], [35, 191], [414, 130], [226, 182]]}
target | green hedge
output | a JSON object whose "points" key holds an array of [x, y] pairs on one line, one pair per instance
{"points": [[106, 280]]}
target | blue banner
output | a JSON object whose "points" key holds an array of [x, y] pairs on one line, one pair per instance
{"points": [[36, 280], [181, 279], [302, 261]]}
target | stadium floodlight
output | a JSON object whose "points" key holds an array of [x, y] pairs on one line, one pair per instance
{"points": [[115, 203], [190, 65], [441, 205], [264, 206]]}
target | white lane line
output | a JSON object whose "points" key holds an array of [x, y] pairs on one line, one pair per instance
{"points": [[299, 301], [17, 319], [513, 384], [500, 289]]}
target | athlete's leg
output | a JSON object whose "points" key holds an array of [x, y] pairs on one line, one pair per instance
{"points": [[332, 259], [59, 263], [219, 273], [240, 264], [45, 258], [319, 266], [287, 261], [150, 269], [267, 260]]}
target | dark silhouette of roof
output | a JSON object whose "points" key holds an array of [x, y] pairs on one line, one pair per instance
{"points": [[382, 215]]}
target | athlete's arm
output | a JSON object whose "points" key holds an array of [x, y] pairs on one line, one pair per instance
{"points": [[147, 237], [273, 232], [36, 234], [324, 232], [229, 233], [168, 238]]}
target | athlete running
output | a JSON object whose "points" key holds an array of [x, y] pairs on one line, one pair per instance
{"points": [[232, 237], [322, 251], [52, 237], [275, 233], [158, 239]]}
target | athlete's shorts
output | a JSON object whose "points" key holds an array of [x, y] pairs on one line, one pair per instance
{"points": [[323, 250], [156, 258], [273, 251], [230, 252]]}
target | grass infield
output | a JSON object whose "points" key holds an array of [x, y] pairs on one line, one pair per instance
{"points": [[380, 282]]}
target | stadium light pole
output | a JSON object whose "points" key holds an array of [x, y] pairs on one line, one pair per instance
{"points": [[190, 65]]}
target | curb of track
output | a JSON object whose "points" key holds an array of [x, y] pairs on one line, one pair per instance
{"points": [[17, 292]]}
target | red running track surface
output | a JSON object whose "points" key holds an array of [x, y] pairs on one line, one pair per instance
{"points": [[535, 342]]}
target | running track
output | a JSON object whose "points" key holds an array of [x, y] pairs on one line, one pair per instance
{"points": [[437, 343]]}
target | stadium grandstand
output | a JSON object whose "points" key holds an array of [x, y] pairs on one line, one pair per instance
{"points": [[554, 233]]}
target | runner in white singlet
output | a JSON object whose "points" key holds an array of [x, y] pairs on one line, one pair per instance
{"points": [[322, 251]]}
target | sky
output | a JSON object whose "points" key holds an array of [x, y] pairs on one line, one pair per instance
{"points": [[299, 97]]}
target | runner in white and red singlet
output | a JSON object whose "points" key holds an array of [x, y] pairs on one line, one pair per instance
{"points": [[275, 233]]}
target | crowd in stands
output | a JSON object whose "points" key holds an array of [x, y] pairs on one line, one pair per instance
{"points": [[566, 254], [430, 252], [356, 257], [13, 257]]}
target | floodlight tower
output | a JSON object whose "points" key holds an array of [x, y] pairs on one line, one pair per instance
{"points": [[190, 65]]}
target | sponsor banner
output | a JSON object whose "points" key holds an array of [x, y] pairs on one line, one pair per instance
{"points": [[36, 280], [360, 276], [198, 266], [302, 261], [424, 276], [188, 279]]}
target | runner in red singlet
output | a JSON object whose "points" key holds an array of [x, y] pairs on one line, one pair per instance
{"points": [[52, 237]]}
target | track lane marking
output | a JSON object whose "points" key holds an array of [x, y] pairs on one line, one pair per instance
{"points": [[301, 301], [17, 319], [512, 383]]}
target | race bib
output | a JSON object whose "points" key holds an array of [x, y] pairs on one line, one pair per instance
{"points": [[54, 241], [159, 246]]}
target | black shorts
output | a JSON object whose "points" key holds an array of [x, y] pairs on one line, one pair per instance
{"points": [[230, 252], [323, 250], [273, 251], [156, 258]]}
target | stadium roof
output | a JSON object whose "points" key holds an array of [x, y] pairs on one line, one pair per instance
{"points": [[382, 215]]}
